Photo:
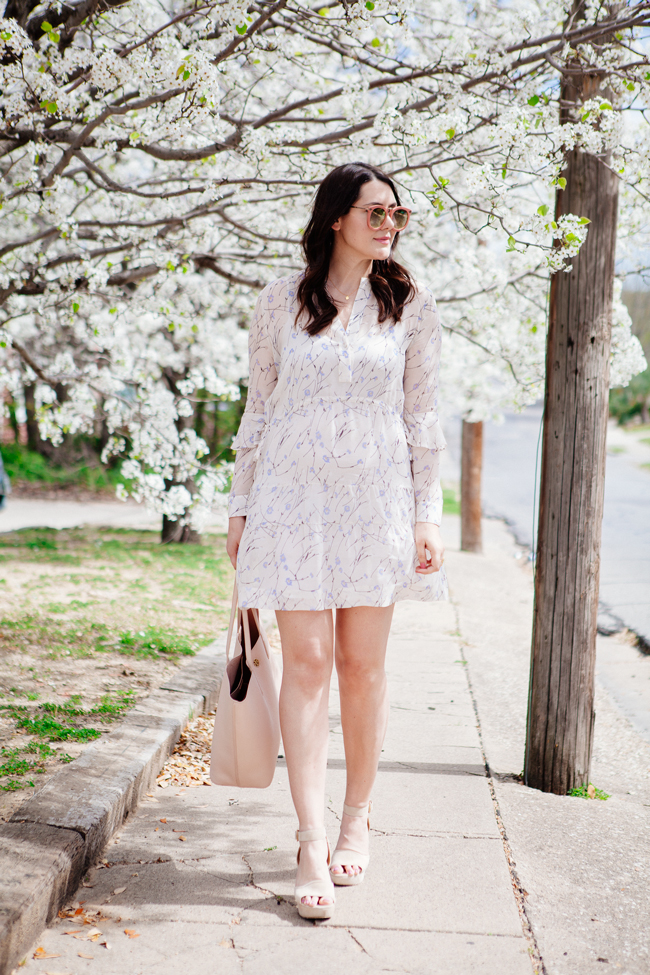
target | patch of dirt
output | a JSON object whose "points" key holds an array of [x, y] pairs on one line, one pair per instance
{"points": [[92, 620]]}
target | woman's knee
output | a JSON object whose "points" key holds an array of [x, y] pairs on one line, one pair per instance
{"points": [[309, 666], [356, 668]]}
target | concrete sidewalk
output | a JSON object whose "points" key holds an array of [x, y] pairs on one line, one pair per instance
{"points": [[469, 874]]}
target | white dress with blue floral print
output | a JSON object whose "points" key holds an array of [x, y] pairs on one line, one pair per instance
{"points": [[337, 455]]}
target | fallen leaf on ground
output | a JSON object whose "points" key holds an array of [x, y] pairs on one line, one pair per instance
{"points": [[82, 954], [182, 838], [591, 792], [163, 820], [131, 932], [178, 831], [42, 953], [226, 943], [78, 931], [119, 890]]}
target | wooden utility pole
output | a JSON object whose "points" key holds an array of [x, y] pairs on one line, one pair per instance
{"points": [[561, 715], [471, 466]]}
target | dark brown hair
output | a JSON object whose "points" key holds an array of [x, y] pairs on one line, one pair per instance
{"points": [[391, 283]]}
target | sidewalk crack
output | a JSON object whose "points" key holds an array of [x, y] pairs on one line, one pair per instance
{"points": [[358, 943], [264, 890], [519, 893]]}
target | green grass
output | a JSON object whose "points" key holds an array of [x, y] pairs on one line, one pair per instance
{"points": [[151, 642], [20, 762], [582, 792], [22, 464], [450, 503], [63, 722], [628, 402]]}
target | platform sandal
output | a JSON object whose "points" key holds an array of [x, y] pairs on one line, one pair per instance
{"points": [[345, 857], [315, 888]]}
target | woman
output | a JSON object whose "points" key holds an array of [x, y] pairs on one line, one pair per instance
{"points": [[335, 500]]}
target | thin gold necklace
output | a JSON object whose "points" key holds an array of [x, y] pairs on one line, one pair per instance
{"points": [[347, 297]]}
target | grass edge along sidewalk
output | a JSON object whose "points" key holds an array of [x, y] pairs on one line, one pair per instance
{"points": [[59, 832]]}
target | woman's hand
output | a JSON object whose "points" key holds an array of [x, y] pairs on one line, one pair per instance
{"points": [[429, 543], [235, 531]]}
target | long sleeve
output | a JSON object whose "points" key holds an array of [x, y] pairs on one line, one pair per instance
{"points": [[423, 432], [262, 379]]}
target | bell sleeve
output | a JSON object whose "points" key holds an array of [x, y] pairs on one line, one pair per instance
{"points": [[423, 432], [263, 377]]}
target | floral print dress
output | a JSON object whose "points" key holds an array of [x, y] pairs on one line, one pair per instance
{"points": [[337, 455]]}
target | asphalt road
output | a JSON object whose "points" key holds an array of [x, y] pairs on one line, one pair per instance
{"points": [[509, 492]]}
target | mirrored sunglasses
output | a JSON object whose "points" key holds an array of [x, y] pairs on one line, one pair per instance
{"points": [[377, 216]]}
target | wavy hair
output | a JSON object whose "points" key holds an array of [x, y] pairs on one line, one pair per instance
{"points": [[391, 284]]}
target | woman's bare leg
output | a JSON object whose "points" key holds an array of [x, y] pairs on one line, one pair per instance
{"points": [[307, 653], [361, 638]]}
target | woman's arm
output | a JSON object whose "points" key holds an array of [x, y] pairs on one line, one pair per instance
{"points": [[424, 434]]}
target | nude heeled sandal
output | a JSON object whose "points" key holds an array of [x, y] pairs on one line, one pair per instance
{"points": [[314, 888], [351, 858]]}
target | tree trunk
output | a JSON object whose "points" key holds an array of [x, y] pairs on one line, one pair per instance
{"points": [[174, 531], [561, 715], [34, 441], [470, 487]]}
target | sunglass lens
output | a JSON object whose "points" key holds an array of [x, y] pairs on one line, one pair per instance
{"points": [[400, 218], [377, 217]]}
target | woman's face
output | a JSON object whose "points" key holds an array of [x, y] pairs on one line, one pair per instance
{"points": [[353, 231]]}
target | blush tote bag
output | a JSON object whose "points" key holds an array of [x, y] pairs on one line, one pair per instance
{"points": [[246, 737]]}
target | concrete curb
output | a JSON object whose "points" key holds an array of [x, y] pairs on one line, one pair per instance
{"points": [[57, 834]]}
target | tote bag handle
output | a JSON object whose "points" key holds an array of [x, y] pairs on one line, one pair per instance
{"points": [[247, 634]]}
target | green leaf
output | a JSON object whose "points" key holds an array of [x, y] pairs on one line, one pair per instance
{"points": [[323, 12], [47, 26], [571, 238], [533, 101], [450, 133], [584, 220], [543, 210], [604, 106], [6, 35], [75, 306], [241, 30], [630, 86], [370, 5], [55, 37], [49, 107], [112, 311], [511, 243], [443, 181], [375, 42], [561, 182], [186, 75]]}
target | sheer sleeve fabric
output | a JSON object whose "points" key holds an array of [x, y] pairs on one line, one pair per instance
{"points": [[263, 377], [423, 432]]}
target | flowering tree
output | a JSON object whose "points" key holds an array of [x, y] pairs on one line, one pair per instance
{"points": [[157, 161]]}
